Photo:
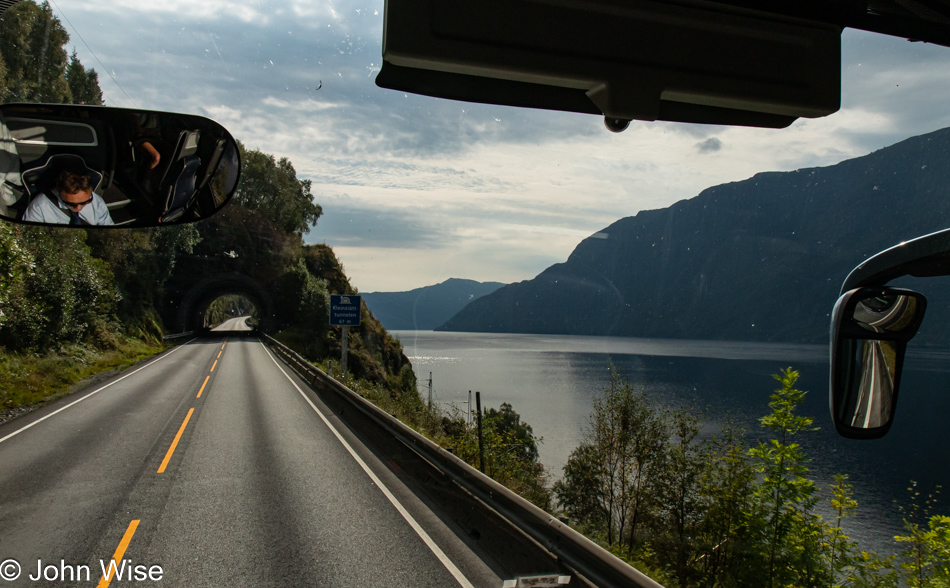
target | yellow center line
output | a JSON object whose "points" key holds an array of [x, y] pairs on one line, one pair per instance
{"points": [[219, 353], [215, 365], [171, 450], [119, 553], [203, 386]]}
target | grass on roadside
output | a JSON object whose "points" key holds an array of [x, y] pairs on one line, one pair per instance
{"points": [[408, 408], [28, 379], [449, 429]]}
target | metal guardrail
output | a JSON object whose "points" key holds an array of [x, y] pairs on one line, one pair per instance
{"points": [[179, 335], [577, 552]]}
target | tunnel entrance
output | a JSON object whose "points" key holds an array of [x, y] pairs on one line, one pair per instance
{"points": [[209, 301], [232, 312]]}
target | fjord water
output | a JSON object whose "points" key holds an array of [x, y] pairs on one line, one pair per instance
{"points": [[551, 381]]}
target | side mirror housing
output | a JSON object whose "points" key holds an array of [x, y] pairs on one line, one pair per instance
{"points": [[870, 328]]}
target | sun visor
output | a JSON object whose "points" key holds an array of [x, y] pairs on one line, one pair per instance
{"points": [[698, 63]]}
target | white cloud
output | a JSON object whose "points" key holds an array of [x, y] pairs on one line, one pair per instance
{"points": [[505, 190], [308, 105], [185, 10]]}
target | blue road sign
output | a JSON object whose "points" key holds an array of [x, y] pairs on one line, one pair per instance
{"points": [[344, 310]]}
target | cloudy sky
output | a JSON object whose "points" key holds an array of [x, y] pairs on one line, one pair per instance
{"points": [[417, 190]]}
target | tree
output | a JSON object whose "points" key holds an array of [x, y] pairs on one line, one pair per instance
{"points": [[511, 455], [32, 46], [580, 490], [68, 295], [678, 488], [614, 470], [507, 423], [307, 299], [271, 187], [926, 557], [838, 545], [727, 535], [15, 263], [786, 495], [142, 261], [646, 436], [83, 83]]}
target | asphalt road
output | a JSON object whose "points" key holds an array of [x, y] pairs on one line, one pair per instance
{"points": [[260, 485], [234, 324]]}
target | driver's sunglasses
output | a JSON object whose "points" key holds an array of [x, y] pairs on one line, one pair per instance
{"points": [[75, 204]]}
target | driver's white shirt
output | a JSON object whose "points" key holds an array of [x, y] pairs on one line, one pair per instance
{"points": [[42, 210]]}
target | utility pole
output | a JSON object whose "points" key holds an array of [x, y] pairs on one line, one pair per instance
{"points": [[430, 391], [468, 417], [478, 417]]}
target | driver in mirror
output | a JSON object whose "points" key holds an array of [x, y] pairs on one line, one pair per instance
{"points": [[71, 201]]}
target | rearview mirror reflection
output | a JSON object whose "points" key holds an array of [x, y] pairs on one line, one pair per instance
{"points": [[102, 166], [870, 330]]}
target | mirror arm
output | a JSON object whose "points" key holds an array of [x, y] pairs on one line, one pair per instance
{"points": [[925, 256]]}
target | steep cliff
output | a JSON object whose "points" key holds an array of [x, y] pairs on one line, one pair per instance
{"points": [[760, 259]]}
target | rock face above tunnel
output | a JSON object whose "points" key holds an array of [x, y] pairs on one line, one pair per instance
{"points": [[760, 259]]}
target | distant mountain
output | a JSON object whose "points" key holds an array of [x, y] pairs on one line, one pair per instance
{"points": [[426, 308], [760, 259]]}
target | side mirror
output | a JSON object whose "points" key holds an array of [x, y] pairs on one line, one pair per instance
{"points": [[870, 328], [95, 165]]}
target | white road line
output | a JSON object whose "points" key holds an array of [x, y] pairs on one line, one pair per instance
{"points": [[456, 573], [55, 412]]}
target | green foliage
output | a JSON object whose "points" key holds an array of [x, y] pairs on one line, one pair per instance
{"points": [[510, 448], [508, 424], [32, 45], [871, 570], [83, 83], [28, 379], [58, 299], [142, 261], [785, 493], [716, 513], [271, 187], [304, 295], [511, 454], [68, 296], [681, 506], [627, 439], [839, 546], [304, 298], [15, 261], [510, 445], [33, 62], [253, 236], [726, 534], [579, 490], [925, 557]]}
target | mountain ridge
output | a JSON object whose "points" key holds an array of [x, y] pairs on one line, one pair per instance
{"points": [[756, 259], [427, 307]]}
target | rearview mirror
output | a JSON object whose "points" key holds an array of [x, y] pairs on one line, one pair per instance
{"points": [[870, 328], [102, 166]]}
